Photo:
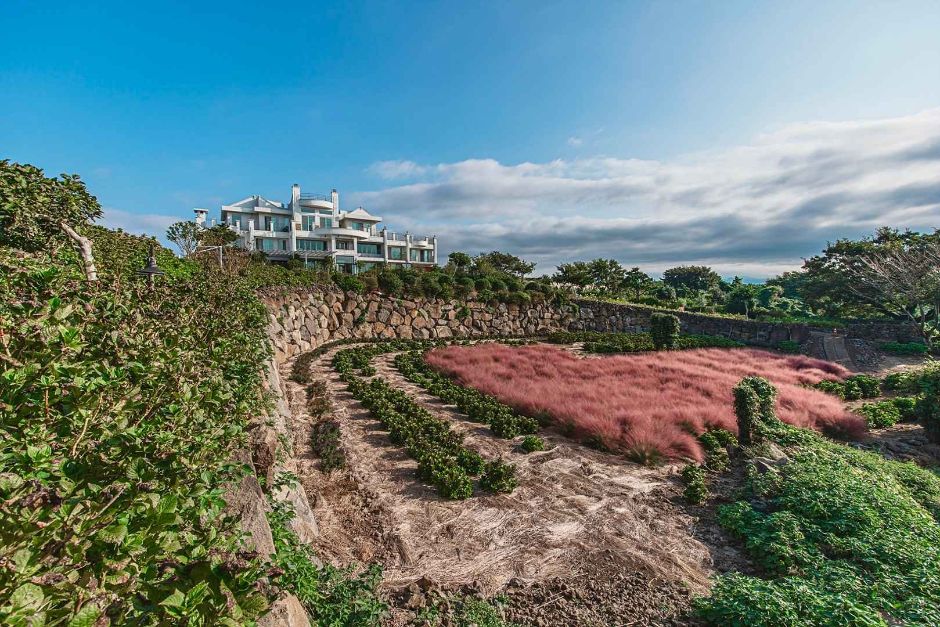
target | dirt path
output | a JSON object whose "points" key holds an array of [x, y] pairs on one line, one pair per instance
{"points": [[577, 515]]}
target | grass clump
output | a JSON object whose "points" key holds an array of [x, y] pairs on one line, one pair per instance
{"points": [[905, 348]]}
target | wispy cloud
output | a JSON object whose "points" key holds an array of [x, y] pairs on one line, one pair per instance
{"points": [[138, 223], [755, 208], [575, 141], [391, 170]]}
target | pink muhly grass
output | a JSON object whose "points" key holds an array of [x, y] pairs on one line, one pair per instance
{"points": [[646, 405]]}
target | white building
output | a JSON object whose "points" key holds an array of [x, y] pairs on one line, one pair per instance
{"points": [[314, 228]]}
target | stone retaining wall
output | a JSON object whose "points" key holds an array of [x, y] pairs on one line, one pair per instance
{"points": [[303, 320]]}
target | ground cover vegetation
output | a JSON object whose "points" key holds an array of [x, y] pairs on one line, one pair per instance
{"points": [[443, 460], [841, 536], [891, 275], [671, 398]]}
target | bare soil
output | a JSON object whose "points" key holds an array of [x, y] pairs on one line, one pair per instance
{"points": [[587, 538]]}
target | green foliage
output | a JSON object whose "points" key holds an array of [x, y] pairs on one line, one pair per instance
{"points": [[691, 278], [185, 234], [905, 348], [844, 537], [881, 414], [853, 388], [498, 477], [789, 346], [532, 443], [664, 330], [479, 407], [754, 399], [349, 282], [696, 490], [716, 443], [33, 207], [218, 235], [612, 343], [333, 597], [120, 409], [907, 407]]}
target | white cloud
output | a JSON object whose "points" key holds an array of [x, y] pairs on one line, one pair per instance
{"points": [[391, 170], [138, 223], [755, 208], [575, 141]]}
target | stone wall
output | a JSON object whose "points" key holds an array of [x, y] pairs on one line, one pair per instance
{"points": [[306, 319], [301, 320]]}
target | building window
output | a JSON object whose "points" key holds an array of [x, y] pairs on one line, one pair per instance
{"points": [[234, 219], [343, 245], [422, 256], [396, 252], [308, 223], [268, 244], [311, 244], [370, 249], [277, 223], [326, 223]]}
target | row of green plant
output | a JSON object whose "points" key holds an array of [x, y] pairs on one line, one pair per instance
{"points": [[442, 458], [479, 407], [905, 348], [611, 343], [853, 388], [842, 536]]}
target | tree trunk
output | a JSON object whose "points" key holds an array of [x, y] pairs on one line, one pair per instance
{"points": [[84, 249]]}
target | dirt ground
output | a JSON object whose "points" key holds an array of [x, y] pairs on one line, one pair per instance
{"points": [[586, 539]]}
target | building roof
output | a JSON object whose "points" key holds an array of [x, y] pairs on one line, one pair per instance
{"points": [[362, 214]]}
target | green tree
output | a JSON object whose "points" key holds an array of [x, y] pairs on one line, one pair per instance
{"points": [[577, 274], [459, 262], [38, 212], [636, 281], [691, 278], [218, 235], [607, 275], [502, 263], [185, 234]]}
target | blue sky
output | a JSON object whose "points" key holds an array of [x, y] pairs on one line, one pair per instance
{"points": [[739, 134]]}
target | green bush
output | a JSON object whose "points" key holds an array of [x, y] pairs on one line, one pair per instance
{"points": [[498, 477], [696, 490], [532, 443], [332, 596], [664, 329], [714, 442], [754, 399], [325, 444], [789, 346], [905, 348], [349, 282], [907, 407], [881, 414], [120, 412], [844, 537], [853, 388]]}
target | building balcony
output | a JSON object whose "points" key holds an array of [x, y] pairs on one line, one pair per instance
{"points": [[338, 231]]}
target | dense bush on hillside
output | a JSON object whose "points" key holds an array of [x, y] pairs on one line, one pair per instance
{"points": [[843, 537], [616, 403], [119, 412]]}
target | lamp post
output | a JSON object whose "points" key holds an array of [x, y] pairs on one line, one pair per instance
{"points": [[151, 269]]}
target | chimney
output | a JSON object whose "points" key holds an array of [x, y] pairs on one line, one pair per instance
{"points": [[335, 198], [200, 215], [295, 197]]}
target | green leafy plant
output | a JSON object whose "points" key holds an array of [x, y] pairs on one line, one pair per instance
{"points": [[498, 477], [664, 329], [532, 443], [789, 346], [905, 348], [696, 489]]}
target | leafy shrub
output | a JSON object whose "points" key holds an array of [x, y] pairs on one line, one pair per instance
{"points": [[120, 409], [325, 444], [928, 404], [390, 283], [789, 346], [905, 348], [498, 477], [331, 596], [754, 399], [907, 407], [845, 537], [881, 414], [532, 443], [716, 448], [300, 370], [664, 329], [696, 490], [853, 388], [349, 282]]}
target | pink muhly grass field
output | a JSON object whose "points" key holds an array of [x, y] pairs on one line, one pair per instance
{"points": [[646, 405]]}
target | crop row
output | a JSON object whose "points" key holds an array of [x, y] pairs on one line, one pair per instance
{"points": [[443, 460], [479, 407]]}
